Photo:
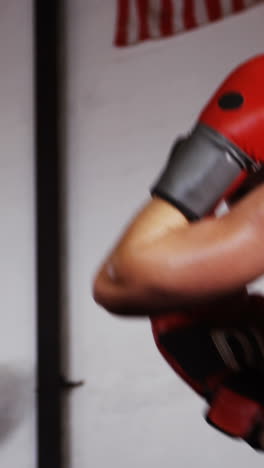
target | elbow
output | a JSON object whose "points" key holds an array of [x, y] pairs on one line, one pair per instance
{"points": [[125, 292], [113, 292], [98, 292], [102, 292]]}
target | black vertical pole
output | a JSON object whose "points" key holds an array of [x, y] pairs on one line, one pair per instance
{"points": [[48, 226]]}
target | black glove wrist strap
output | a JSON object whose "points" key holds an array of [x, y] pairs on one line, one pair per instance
{"points": [[199, 171]]}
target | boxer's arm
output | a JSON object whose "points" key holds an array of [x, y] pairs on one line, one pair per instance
{"points": [[162, 262]]}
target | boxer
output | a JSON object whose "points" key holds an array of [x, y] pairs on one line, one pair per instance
{"points": [[185, 268]]}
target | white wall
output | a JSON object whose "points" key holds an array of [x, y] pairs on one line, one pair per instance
{"points": [[125, 107], [17, 290]]}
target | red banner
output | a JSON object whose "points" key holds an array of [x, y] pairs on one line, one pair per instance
{"points": [[138, 20]]}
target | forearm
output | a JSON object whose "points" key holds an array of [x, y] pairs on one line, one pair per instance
{"points": [[115, 285], [184, 263]]}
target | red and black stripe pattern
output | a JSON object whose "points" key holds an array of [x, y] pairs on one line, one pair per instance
{"points": [[139, 20]]}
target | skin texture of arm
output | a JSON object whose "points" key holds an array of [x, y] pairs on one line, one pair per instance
{"points": [[162, 262]]}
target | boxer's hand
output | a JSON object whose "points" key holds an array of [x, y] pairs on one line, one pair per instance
{"points": [[226, 144]]}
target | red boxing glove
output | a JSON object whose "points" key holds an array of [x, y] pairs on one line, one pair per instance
{"points": [[236, 111], [237, 407], [223, 362], [225, 145]]}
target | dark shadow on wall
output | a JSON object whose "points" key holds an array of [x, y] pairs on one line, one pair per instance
{"points": [[17, 398]]}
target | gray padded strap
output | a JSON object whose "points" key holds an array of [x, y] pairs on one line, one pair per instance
{"points": [[199, 171]]}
